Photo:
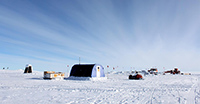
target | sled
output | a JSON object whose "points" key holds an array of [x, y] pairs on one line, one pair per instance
{"points": [[53, 75]]}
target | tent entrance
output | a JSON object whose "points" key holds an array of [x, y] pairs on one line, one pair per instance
{"points": [[81, 70]]}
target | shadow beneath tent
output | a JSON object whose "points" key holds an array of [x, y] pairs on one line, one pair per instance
{"points": [[86, 78], [78, 78], [36, 78]]}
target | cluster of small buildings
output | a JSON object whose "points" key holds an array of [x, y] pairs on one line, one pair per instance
{"points": [[95, 71], [154, 71], [5, 68]]}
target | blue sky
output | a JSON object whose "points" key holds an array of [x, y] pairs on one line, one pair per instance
{"points": [[51, 34]]}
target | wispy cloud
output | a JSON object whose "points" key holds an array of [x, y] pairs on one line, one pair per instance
{"points": [[129, 33]]}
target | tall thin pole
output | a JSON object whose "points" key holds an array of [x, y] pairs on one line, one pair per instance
{"points": [[79, 60], [107, 73], [68, 70]]}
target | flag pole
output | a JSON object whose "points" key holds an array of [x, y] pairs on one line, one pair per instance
{"points": [[79, 60], [68, 71], [107, 71]]}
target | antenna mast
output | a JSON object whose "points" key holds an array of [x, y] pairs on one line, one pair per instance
{"points": [[79, 60]]}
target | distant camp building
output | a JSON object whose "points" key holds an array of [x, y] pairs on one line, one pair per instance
{"points": [[28, 68], [87, 70]]}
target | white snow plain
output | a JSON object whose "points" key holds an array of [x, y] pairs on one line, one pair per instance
{"points": [[16, 87]]}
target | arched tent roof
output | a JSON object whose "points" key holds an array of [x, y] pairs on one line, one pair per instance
{"points": [[27, 65], [87, 70]]}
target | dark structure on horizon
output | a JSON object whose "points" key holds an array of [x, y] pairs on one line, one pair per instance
{"points": [[28, 69]]}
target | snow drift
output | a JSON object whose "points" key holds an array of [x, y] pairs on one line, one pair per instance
{"points": [[16, 87]]}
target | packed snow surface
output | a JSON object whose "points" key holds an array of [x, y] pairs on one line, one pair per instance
{"points": [[16, 87]]}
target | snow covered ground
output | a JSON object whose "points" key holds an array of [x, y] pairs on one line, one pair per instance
{"points": [[16, 87]]}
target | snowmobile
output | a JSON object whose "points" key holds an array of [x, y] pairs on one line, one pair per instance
{"points": [[153, 71], [175, 71], [136, 76]]}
